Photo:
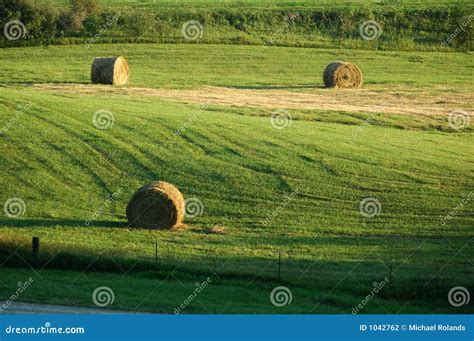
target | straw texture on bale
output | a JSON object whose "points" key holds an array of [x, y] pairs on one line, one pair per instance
{"points": [[110, 70], [157, 205], [342, 75]]}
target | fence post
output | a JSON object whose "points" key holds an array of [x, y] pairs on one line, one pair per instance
{"points": [[35, 244], [279, 267]]}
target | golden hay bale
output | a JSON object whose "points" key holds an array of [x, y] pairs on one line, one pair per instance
{"points": [[157, 205], [342, 75], [110, 70]]}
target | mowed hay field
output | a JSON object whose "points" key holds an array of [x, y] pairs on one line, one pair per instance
{"points": [[294, 191]]}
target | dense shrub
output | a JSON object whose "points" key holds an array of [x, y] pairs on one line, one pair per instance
{"points": [[72, 20], [37, 23], [422, 28]]}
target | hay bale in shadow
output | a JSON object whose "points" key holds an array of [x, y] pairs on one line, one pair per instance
{"points": [[110, 70], [157, 205]]}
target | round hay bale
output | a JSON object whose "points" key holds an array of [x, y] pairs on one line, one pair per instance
{"points": [[342, 75], [110, 70], [157, 205]]}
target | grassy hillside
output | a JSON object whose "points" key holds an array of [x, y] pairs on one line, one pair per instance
{"points": [[294, 191]]}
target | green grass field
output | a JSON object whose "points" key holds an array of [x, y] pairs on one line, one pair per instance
{"points": [[266, 3], [309, 178], [183, 66]]}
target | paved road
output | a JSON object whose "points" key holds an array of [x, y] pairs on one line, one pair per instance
{"points": [[29, 308]]}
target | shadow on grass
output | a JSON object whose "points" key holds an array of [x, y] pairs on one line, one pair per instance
{"points": [[278, 87], [60, 222], [407, 282], [31, 83]]}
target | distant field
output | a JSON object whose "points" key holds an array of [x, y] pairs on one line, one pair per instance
{"points": [[243, 170], [286, 3]]}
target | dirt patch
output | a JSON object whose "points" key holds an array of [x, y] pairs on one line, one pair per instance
{"points": [[30, 308], [382, 100]]}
